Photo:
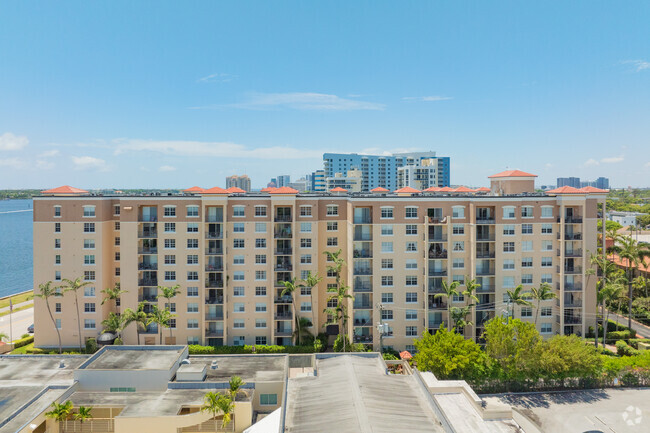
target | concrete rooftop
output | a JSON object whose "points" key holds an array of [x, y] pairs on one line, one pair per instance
{"points": [[251, 368], [136, 359]]}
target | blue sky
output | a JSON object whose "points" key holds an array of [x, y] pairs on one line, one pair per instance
{"points": [[172, 94]]}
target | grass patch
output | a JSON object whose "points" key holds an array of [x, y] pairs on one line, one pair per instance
{"points": [[16, 299], [24, 307], [22, 350]]}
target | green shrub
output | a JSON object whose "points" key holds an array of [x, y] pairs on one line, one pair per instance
{"points": [[36, 351], [618, 335], [318, 345], [195, 349], [634, 342], [91, 345], [389, 356], [623, 349], [25, 335], [342, 343], [118, 342], [23, 342]]}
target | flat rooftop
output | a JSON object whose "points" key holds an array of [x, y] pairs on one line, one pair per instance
{"points": [[158, 358], [38, 370], [251, 368]]}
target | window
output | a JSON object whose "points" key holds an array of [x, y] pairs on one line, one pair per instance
{"points": [[191, 340], [117, 272], [305, 243], [332, 210], [386, 314], [89, 259], [387, 263], [508, 230], [169, 211], [57, 307], [260, 211], [546, 311], [238, 243], [89, 227], [239, 307], [332, 242], [547, 245], [508, 212], [526, 262], [57, 275], [387, 298], [89, 291], [57, 244], [304, 273], [57, 227], [117, 256], [192, 307], [386, 247], [305, 259], [387, 212], [192, 276], [386, 230], [547, 262], [260, 227], [411, 331], [458, 263], [238, 260], [305, 211], [172, 323], [546, 328], [268, 399], [116, 209], [527, 245], [547, 278], [170, 243], [89, 323], [192, 211], [411, 229], [458, 229], [459, 297], [260, 291], [508, 282], [89, 275], [458, 212], [57, 211], [411, 264], [170, 259], [332, 226], [526, 211], [58, 323], [526, 229], [411, 212], [459, 246], [547, 211], [411, 247], [238, 227], [260, 307], [238, 340], [89, 211], [238, 324], [547, 229], [508, 247], [508, 264], [172, 307], [260, 243], [57, 259], [526, 312], [305, 227], [192, 323], [170, 275], [386, 280], [526, 278], [260, 275], [260, 340], [89, 307], [238, 211], [117, 225], [331, 273], [192, 292], [411, 280], [117, 241], [411, 297], [192, 259], [260, 323], [238, 275], [192, 244], [305, 307], [260, 259]]}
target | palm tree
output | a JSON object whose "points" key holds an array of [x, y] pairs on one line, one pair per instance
{"points": [[47, 292], [168, 293], [60, 412], [471, 286], [161, 317], [312, 281], [138, 317], [113, 324], [542, 293], [302, 323], [290, 288], [610, 292], [74, 286], [216, 403], [338, 293], [83, 414], [641, 283], [141, 319], [448, 292], [517, 297], [459, 316], [3, 336], [113, 294], [235, 384]]}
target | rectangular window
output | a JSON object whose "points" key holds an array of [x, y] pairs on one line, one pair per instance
{"points": [[386, 314], [547, 211], [526, 278], [508, 247], [411, 264], [458, 212], [304, 273], [526, 211], [58, 323], [89, 291], [89, 307], [260, 243], [332, 242], [89, 211], [411, 331], [527, 245], [57, 244], [508, 282], [546, 311], [89, 323], [386, 230], [305, 307], [411, 280], [260, 259], [260, 211], [387, 263], [170, 243], [116, 209], [411, 229], [238, 260], [192, 259], [89, 259], [89, 275], [260, 323], [238, 243], [192, 244], [411, 247], [89, 227], [260, 340], [238, 324], [547, 229], [508, 264], [411, 212], [305, 259], [117, 272], [526, 312], [169, 211], [387, 298], [239, 307], [386, 280], [192, 292], [526, 262], [192, 307], [547, 278], [305, 243], [238, 227], [192, 227], [508, 230], [411, 297], [57, 227], [508, 212], [170, 275], [305, 227], [332, 210], [458, 264], [238, 340], [260, 227], [526, 229], [547, 245], [170, 259], [192, 211], [386, 247], [260, 275], [238, 275], [268, 399], [238, 211], [117, 241], [305, 211], [547, 262], [57, 211], [117, 256], [117, 225], [332, 226], [57, 275], [57, 307], [192, 276], [260, 291], [192, 324], [57, 259], [172, 307], [387, 212], [458, 229], [260, 307], [459, 246], [546, 328]]}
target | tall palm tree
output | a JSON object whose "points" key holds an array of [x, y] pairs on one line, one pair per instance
{"points": [[138, 317], [471, 286], [302, 324], [312, 281], [141, 319], [169, 293], [113, 294], [74, 286], [47, 292], [517, 297], [338, 293], [216, 403], [83, 414], [448, 292], [235, 383], [60, 412], [542, 293], [610, 292], [459, 317], [161, 317]]}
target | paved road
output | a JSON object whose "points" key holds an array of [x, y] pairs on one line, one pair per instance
{"points": [[639, 328], [20, 321], [20, 304]]}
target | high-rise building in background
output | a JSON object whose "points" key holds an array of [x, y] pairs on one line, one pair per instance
{"points": [[575, 182], [351, 181], [282, 180], [231, 253], [381, 170], [243, 182], [318, 181], [419, 175]]}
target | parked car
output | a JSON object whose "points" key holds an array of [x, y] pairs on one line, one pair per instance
{"points": [[30, 328]]}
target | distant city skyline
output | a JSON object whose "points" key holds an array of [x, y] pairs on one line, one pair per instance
{"points": [[181, 94]]}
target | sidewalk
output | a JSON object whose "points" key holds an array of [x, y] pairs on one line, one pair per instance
{"points": [[6, 309]]}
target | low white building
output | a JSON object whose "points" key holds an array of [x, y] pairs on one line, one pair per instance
{"points": [[624, 218]]}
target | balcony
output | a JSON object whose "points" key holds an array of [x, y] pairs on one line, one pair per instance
{"points": [[147, 266], [362, 236], [437, 236], [575, 303], [572, 269], [437, 272], [213, 219], [437, 220], [485, 220], [485, 306], [362, 339], [283, 267], [362, 288], [213, 251], [283, 332], [437, 254], [147, 218], [283, 219], [283, 251], [573, 253], [482, 237], [282, 300], [576, 287], [148, 250], [362, 271], [214, 235], [362, 322], [437, 305], [148, 234], [485, 288], [571, 220], [287, 315], [146, 282], [214, 300], [216, 267], [362, 306], [283, 234], [214, 284], [484, 271], [362, 254], [485, 254], [572, 236], [214, 332], [572, 320], [148, 298]]}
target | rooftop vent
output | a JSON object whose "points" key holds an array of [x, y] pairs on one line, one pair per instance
{"points": [[61, 364], [185, 362], [214, 365]]}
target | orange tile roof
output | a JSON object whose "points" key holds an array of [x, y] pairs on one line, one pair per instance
{"points": [[267, 189], [338, 189], [405, 355], [379, 189], [483, 189], [593, 189], [446, 189], [407, 189], [284, 190], [432, 189], [645, 266], [565, 190], [215, 190], [464, 189], [512, 173], [65, 189], [194, 189], [235, 190]]}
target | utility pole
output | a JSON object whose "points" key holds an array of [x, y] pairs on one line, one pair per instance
{"points": [[380, 328], [11, 327]]}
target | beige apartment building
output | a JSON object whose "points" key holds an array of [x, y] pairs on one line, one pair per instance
{"points": [[230, 253]]}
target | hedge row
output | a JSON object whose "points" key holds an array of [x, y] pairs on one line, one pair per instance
{"points": [[195, 349], [23, 342]]}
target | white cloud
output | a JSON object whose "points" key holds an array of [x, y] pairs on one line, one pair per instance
{"points": [[49, 153], [212, 149], [647, 164], [44, 165], [89, 163], [639, 65], [591, 162], [9, 141], [167, 168], [612, 160], [300, 101], [217, 78], [427, 98], [12, 162]]}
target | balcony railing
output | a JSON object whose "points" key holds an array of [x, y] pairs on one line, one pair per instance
{"points": [[283, 251], [362, 254], [573, 253], [148, 250], [485, 271], [573, 304], [213, 219], [485, 306], [283, 332], [437, 238], [362, 305], [437, 305], [283, 218], [284, 316], [362, 236], [214, 267], [363, 288], [283, 267], [362, 322], [214, 300], [283, 234], [485, 254], [95, 425], [437, 220], [148, 298], [573, 236], [437, 272], [362, 338], [485, 288], [572, 320], [437, 254], [213, 251], [148, 234], [363, 271], [147, 219], [485, 220], [214, 235], [485, 237], [571, 287], [571, 219], [145, 282], [147, 266], [573, 270], [214, 284], [214, 332], [282, 299]]}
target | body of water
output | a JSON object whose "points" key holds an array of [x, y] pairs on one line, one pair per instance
{"points": [[16, 262]]}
